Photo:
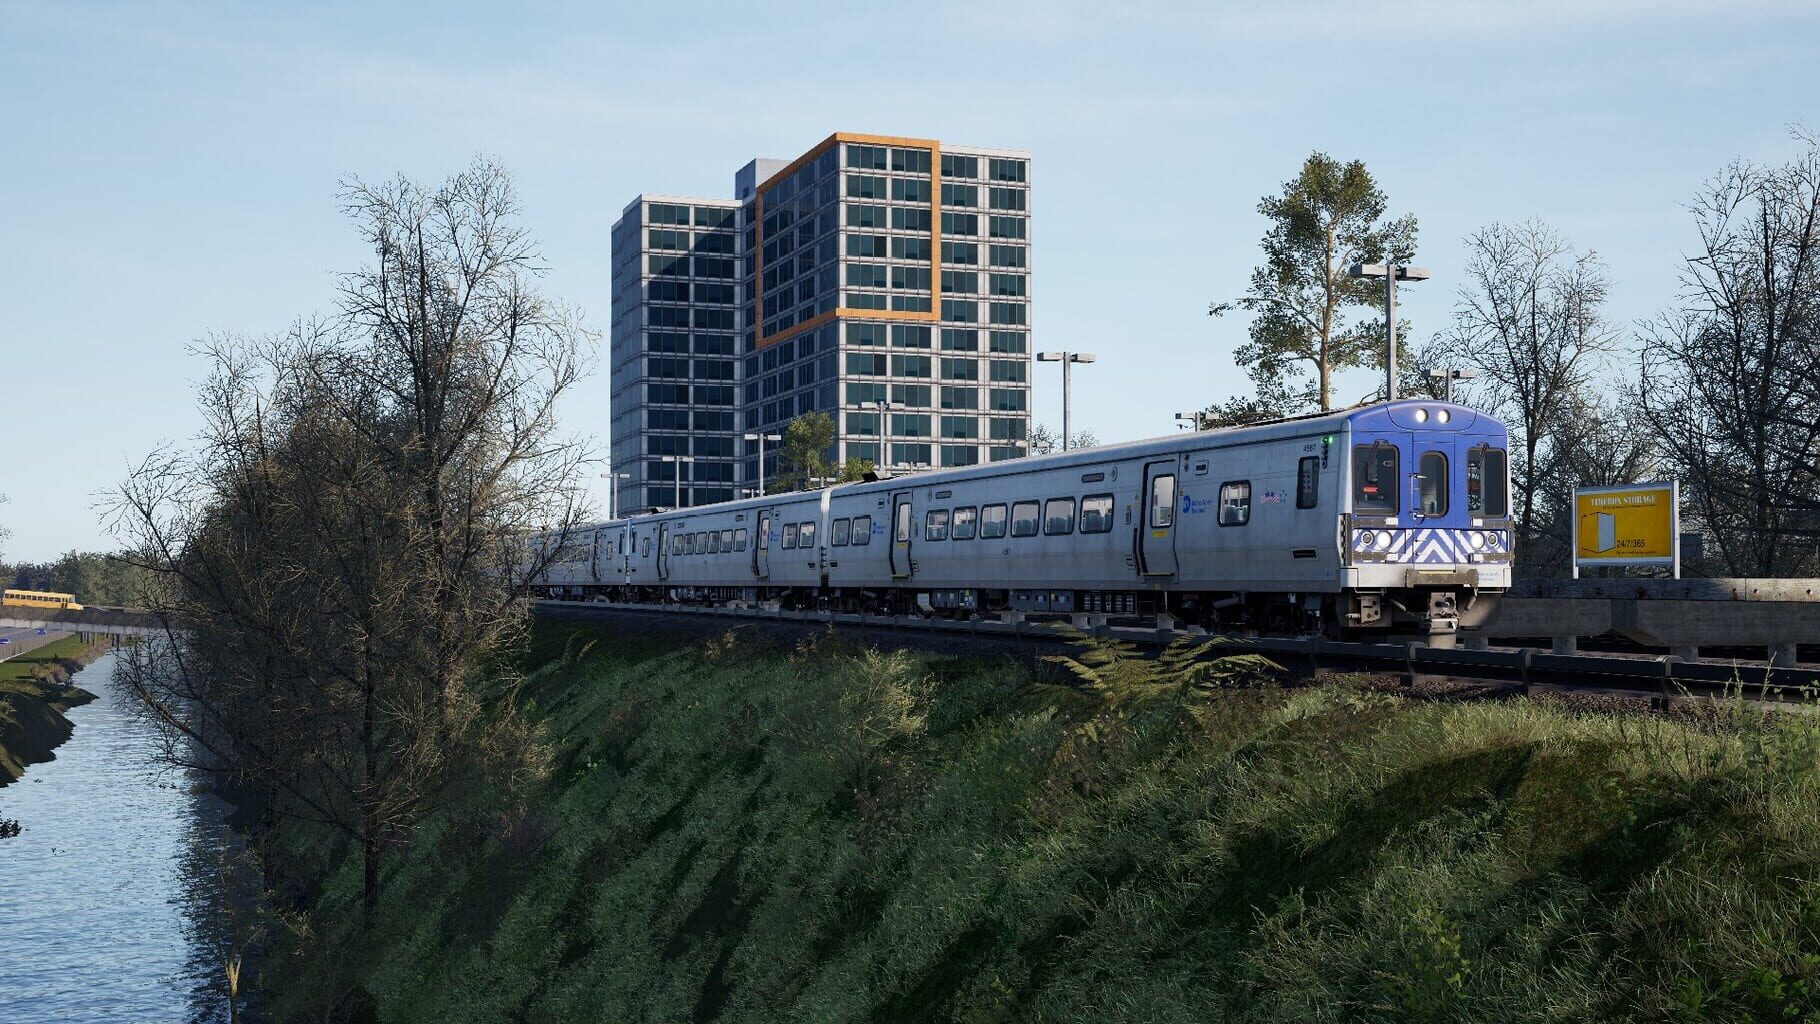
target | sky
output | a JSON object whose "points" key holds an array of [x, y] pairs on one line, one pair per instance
{"points": [[169, 171]]}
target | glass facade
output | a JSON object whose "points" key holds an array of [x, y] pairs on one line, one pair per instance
{"points": [[675, 371], [871, 270]]}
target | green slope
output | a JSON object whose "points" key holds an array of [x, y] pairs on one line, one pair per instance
{"points": [[736, 833]]}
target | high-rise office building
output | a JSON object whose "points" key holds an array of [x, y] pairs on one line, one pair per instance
{"points": [[881, 280]]}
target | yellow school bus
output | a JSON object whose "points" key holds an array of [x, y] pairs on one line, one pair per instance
{"points": [[38, 599]]}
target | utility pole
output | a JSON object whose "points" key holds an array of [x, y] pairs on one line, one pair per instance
{"points": [[1391, 272], [1067, 359], [761, 437]]}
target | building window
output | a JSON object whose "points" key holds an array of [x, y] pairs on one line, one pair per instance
{"points": [[952, 224], [960, 282], [961, 311], [871, 158], [960, 339], [954, 166], [962, 253], [960, 195], [1005, 170], [960, 369], [1007, 227]]}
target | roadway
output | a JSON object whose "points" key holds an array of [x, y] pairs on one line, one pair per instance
{"points": [[25, 638]]}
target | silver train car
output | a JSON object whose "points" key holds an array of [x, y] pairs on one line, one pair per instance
{"points": [[1391, 517]]}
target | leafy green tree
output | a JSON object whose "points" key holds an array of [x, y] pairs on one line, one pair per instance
{"points": [[803, 455], [806, 456], [1328, 217]]}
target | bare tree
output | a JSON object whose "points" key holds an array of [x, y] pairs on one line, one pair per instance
{"points": [[348, 550], [1530, 321], [1731, 379]]}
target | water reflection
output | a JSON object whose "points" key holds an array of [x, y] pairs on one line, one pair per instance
{"points": [[120, 900]]}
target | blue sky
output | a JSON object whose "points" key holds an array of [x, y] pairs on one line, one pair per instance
{"points": [[169, 169]]}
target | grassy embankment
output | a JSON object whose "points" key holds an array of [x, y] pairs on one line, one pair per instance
{"points": [[737, 833], [33, 698]]}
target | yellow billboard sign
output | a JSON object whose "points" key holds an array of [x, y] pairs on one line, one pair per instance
{"points": [[1635, 524]]}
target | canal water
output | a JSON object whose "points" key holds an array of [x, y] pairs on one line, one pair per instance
{"points": [[125, 892]]}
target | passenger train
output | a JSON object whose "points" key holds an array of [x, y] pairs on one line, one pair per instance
{"points": [[1393, 517]]}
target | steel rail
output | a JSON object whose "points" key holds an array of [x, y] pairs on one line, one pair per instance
{"points": [[1665, 676]]}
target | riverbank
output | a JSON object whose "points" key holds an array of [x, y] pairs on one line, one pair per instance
{"points": [[735, 832], [35, 693]]}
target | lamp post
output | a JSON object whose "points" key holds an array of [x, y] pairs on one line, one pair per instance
{"points": [[882, 406], [678, 460], [613, 480], [761, 437], [1450, 375], [1391, 272], [1067, 359]]}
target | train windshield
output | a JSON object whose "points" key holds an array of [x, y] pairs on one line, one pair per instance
{"points": [[1487, 482], [1433, 486], [1374, 478]]}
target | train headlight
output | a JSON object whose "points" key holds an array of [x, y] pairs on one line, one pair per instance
{"points": [[1421, 415], [1367, 539], [1442, 416], [1477, 539]]}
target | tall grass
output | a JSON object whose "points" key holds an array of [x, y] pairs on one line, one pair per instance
{"points": [[738, 832]]}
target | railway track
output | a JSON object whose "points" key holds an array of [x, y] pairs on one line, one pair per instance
{"points": [[1525, 668]]}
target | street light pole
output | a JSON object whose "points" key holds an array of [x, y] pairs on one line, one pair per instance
{"points": [[761, 437], [1067, 359], [882, 406], [677, 461], [1190, 419], [1391, 272]]}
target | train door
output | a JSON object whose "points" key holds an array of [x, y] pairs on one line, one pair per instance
{"points": [[761, 546], [664, 533], [1431, 480], [1156, 532], [900, 535], [628, 543]]}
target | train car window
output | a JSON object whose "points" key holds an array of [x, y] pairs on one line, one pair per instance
{"points": [[1096, 513], [805, 537], [1374, 478], [1162, 501], [862, 529], [1431, 487], [839, 532], [966, 522], [713, 542], [1058, 516], [1235, 503], [1023, 519], [647, 553], [1487, 482], [726, 540], [903, 521], [1308, 482], [992, 522], [789, 536], [935, 524], [739, 539], [701, 543]]}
